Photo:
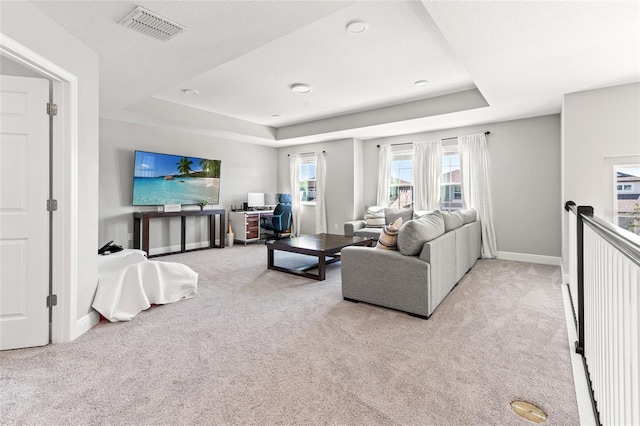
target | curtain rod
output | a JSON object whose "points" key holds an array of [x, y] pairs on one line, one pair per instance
{"points": [[306, 153], [445, 139]]}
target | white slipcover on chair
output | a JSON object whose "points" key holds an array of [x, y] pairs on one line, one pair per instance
{"points": [[129, 283]]}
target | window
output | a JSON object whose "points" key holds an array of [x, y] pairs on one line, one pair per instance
{"points": [[401, 179], [307, 178], [627, 200], [451, 181]]}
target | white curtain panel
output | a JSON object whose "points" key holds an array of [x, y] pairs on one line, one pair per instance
{"points": [[384, 167], [294, 177], [321, 208], [476, 191], [427, 172]]}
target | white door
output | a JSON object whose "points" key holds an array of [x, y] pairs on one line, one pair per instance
{"points": [[24, 220]]}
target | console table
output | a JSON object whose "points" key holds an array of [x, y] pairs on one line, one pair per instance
{"points": [[141, 228]]}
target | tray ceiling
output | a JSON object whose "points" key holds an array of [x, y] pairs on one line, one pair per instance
{"points": [[483, 62]]}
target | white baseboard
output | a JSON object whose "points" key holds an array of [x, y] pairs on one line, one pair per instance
{"points": [[583, 396], [86, 323], [530, 258], [565, 275]]}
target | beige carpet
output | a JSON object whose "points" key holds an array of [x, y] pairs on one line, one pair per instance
{"points": [[262, 347]]}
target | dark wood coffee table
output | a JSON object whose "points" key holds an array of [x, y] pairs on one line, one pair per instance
{"points": [[326, 247]]}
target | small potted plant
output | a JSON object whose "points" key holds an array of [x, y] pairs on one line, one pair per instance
{"points": [[202, 203]]}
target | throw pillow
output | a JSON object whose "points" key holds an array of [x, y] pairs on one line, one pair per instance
{"points": [[452, 220], [415, 233], [391, 214], [469, 215], [374, 216], [389, 236]]}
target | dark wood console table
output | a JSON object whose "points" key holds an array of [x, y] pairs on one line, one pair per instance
{"points": [[141, 228]]}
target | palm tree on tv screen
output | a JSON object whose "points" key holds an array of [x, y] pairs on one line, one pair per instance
{"points": [[211, 167], [184, 166]]}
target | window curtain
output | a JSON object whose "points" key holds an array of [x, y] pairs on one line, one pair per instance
{"points": [[321, 209], [476, 191], [294, 176], [427, 172], [384, 166]]}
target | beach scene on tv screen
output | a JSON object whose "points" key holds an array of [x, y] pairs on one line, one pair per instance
{"points": [[173, 179]]}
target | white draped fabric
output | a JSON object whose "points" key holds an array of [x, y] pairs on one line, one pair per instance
{"points": [[427, 172], [294, 180], [128, 283], [476, 190], [384, 170], [321, 208]]}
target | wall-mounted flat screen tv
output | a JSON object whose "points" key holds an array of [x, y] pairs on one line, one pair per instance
{"points": [[160, 179]]}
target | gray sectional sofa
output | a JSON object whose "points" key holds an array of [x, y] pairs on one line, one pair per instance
{"points": [[434, 252]]}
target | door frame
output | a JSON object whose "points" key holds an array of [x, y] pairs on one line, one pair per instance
{"points": [[64, 180]]}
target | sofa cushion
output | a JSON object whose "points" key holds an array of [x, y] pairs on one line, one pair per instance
{"points": [[373, 233], [389, 236], [374, 216], [417, 214], [391, 214], [415, 233], [452, 220], [469, 215]]}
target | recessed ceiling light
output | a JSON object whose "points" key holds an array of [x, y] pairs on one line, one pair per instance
{"points": [[421, 83], [192, 92], [357, 27], [301, 88]]}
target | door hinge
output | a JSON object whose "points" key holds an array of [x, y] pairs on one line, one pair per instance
{"points": [[52, 205], [52, 109], [52, 300]]}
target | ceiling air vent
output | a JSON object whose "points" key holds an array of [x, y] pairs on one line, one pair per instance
{"points": [[151, 24]]}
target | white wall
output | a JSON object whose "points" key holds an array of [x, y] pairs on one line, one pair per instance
{"points": [[599, 127], [75, 163], [244, 168], [341, 191], [524, 157], [597, 124]]}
